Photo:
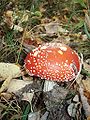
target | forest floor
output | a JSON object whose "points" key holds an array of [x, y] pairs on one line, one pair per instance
{"points": [[24, 26]]}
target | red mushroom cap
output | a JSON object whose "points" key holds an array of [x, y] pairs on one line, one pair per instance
{"points": [[53, 61]]}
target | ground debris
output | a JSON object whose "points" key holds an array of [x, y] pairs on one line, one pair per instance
{"points": [[57, 94], [8, 71]]}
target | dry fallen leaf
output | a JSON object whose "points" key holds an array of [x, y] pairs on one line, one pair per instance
{"points": [[86, 84], [84, 100], [7, 72], [88, 118], [54, 28], [9, 13], [7, 96], [83, 87], [28, 96], [18, 28], [17, 84], [72, 108], [8, 19]]}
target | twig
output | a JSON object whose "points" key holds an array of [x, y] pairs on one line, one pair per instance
{"points": [[21, 44]]}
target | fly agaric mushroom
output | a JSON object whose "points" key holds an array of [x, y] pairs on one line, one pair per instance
{"points": [[53, 61]]}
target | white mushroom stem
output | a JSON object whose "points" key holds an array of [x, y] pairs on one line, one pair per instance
{"points": [[48, 85]]}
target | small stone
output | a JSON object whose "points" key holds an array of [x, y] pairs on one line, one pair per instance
{"points": [[76, 98]]}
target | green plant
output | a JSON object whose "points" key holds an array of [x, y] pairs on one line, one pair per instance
{"points": [[80, 2], [10, 46]]}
